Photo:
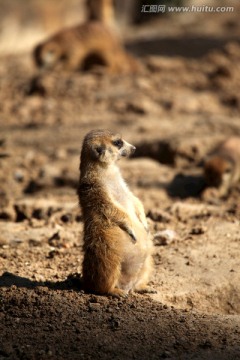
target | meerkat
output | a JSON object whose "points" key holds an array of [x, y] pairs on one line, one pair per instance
{"points": [[117, 243], [83, 47], [222, 166]]}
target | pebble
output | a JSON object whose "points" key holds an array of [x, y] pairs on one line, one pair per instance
{"points": [[164, 237], [197, 231], [94, 306]]}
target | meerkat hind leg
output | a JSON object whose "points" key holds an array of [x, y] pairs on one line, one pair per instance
{"points": [[102, 276], [118, 293], [141, 286]]}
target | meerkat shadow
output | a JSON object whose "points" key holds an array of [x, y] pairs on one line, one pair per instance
{"points": [[73, 282], [190, 46], [184, 186]]}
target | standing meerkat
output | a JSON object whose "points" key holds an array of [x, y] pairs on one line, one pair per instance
{"points": [[82, 47], [222, 166], [117, 244]]}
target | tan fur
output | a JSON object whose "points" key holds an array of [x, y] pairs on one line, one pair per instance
{"points": [[222, 166], [80, 47], [101, 10], [117, 244]]}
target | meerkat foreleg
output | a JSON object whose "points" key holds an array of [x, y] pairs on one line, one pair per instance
{"points": [[139, 209], [128, 230], [120, 218]]}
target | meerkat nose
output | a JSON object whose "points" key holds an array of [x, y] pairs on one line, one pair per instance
{"points": [[133, 148]]}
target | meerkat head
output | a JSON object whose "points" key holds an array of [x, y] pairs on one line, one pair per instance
{"points": [[217, 170], [46, 55], [105, 146]]}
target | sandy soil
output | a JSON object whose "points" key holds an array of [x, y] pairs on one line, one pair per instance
{"points": [[175, 110]]}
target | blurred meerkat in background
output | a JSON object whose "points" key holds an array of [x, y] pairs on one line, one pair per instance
{"points": [[222, 166], [84, 47], [102, 11]]}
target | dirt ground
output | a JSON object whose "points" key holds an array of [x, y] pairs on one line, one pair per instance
{"points": [[183, 102]]}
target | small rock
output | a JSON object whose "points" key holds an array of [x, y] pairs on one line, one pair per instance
{"points": [[94, 306], [159, 216], [54, 239], [18, 175], [164, 237], [197, 231], [16, 241], [185, 211], [52, 254], [34, 242], [66, 218], [61, 154], [141, 106]]}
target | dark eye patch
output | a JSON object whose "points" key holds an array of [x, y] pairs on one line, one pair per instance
{"points": [[118, 143], [227, 171], [99, 150]]}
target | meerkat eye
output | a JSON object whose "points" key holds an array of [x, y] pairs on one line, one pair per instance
{"points": [[118, 143], [227, 171]]}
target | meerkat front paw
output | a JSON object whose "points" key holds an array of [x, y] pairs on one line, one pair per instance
{"points": [[143, 221], [131, 234], [129, 231], [146, 228]]}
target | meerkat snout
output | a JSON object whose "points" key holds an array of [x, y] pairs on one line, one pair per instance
{"points": [[127, 149], [46, 57]]}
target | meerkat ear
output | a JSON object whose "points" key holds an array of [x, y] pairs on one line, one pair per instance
{"points": [[98, 150]]}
